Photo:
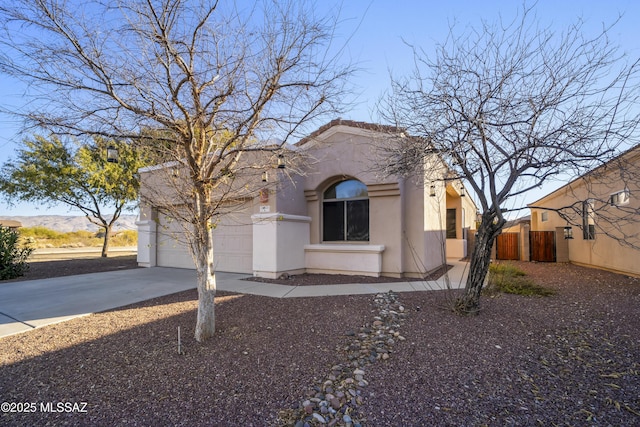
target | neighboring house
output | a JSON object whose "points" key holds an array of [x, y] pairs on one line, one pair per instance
{"points": [[601, 210], [337, 216], [10, 223]]}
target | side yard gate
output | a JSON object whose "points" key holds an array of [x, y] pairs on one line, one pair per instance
{"points": [[507, 246], [542, 246]]}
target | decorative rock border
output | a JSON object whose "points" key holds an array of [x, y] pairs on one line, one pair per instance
{"points": [[336, 400]]}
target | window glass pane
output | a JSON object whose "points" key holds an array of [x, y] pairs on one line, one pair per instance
{"points": [[331, 192], [588, 220], [620, 198], [346, 190], [358, 220], [451, 223], [333, 221]]}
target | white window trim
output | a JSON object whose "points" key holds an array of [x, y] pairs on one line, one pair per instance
{"points": [[345, 200], [615, 199]]}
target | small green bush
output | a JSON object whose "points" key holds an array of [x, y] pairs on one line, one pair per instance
{"points": [[506, 269], [13, 258], [508, 279]]}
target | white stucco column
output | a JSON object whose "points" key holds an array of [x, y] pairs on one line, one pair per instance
{"points": [[278, 244], [146, 243]]}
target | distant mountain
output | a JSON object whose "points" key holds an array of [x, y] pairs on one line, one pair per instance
{"points": [[71, 223]]}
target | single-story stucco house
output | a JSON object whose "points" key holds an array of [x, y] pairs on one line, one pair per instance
{"points": [[337, 215], [601, 214]]}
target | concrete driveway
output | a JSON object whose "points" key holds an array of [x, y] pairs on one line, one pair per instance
{"points": [[29, 304], [33, 303]]}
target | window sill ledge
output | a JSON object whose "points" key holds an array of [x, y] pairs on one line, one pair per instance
{"points": [[345, 248]]}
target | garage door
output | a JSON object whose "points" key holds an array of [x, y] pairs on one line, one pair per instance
{"points": [[232, 243], [172, 249]]}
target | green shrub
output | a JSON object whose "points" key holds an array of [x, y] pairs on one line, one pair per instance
{"points": [[13, 258], [508, 279], [506, 269]]}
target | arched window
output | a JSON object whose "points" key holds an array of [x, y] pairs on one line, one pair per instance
{"points": [[345, 212]]}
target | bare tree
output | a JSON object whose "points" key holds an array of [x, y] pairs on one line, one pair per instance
{"points": [[511, 106], [210, 79]]}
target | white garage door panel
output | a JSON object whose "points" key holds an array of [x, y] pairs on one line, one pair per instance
{"points": [[172, 251], [232, 243]]}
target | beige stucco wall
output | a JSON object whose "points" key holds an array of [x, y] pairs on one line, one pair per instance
{"points": [[604, 251], [278, 244], [433, 221], [289, 194]]}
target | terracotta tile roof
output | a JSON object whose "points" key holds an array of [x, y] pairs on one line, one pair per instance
{"points": [[350, 123]]}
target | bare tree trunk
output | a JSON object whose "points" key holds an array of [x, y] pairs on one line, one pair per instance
{"points": [[105, 242], [203, 250], [469, 302], [206, 320]]}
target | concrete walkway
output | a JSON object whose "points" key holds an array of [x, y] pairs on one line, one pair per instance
{"points": [[30, 304]]}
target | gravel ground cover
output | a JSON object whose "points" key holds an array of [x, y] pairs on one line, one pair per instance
{"points": [[569, 359], [69, 267], [338, 279]]}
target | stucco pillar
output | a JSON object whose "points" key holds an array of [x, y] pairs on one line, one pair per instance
{"points": [[278, 244], [147, 242], [562, 246], [386, 223], [525, 254]]}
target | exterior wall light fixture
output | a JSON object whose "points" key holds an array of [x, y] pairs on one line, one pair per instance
{"points": [[112, 154], [568, 232]]}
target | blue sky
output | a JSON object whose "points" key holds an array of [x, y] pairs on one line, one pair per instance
{"points": [[373, 31]]}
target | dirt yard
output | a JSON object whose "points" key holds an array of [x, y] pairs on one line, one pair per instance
{"points": [[568, 359]]}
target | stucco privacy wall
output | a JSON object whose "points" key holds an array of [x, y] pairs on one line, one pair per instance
{"points": [[278, 244], [603, 251]]}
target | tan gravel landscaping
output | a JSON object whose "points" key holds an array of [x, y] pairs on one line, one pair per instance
{"points": [[568, 359]]}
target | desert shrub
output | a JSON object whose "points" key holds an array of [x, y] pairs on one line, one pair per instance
{"points": [[39, 233], [13, 257], [81, 234], [125, 238], [506, 269], [42, 237], [508, 279]]}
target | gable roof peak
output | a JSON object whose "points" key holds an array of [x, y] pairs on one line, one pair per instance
{"points": [[350, 123]]}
